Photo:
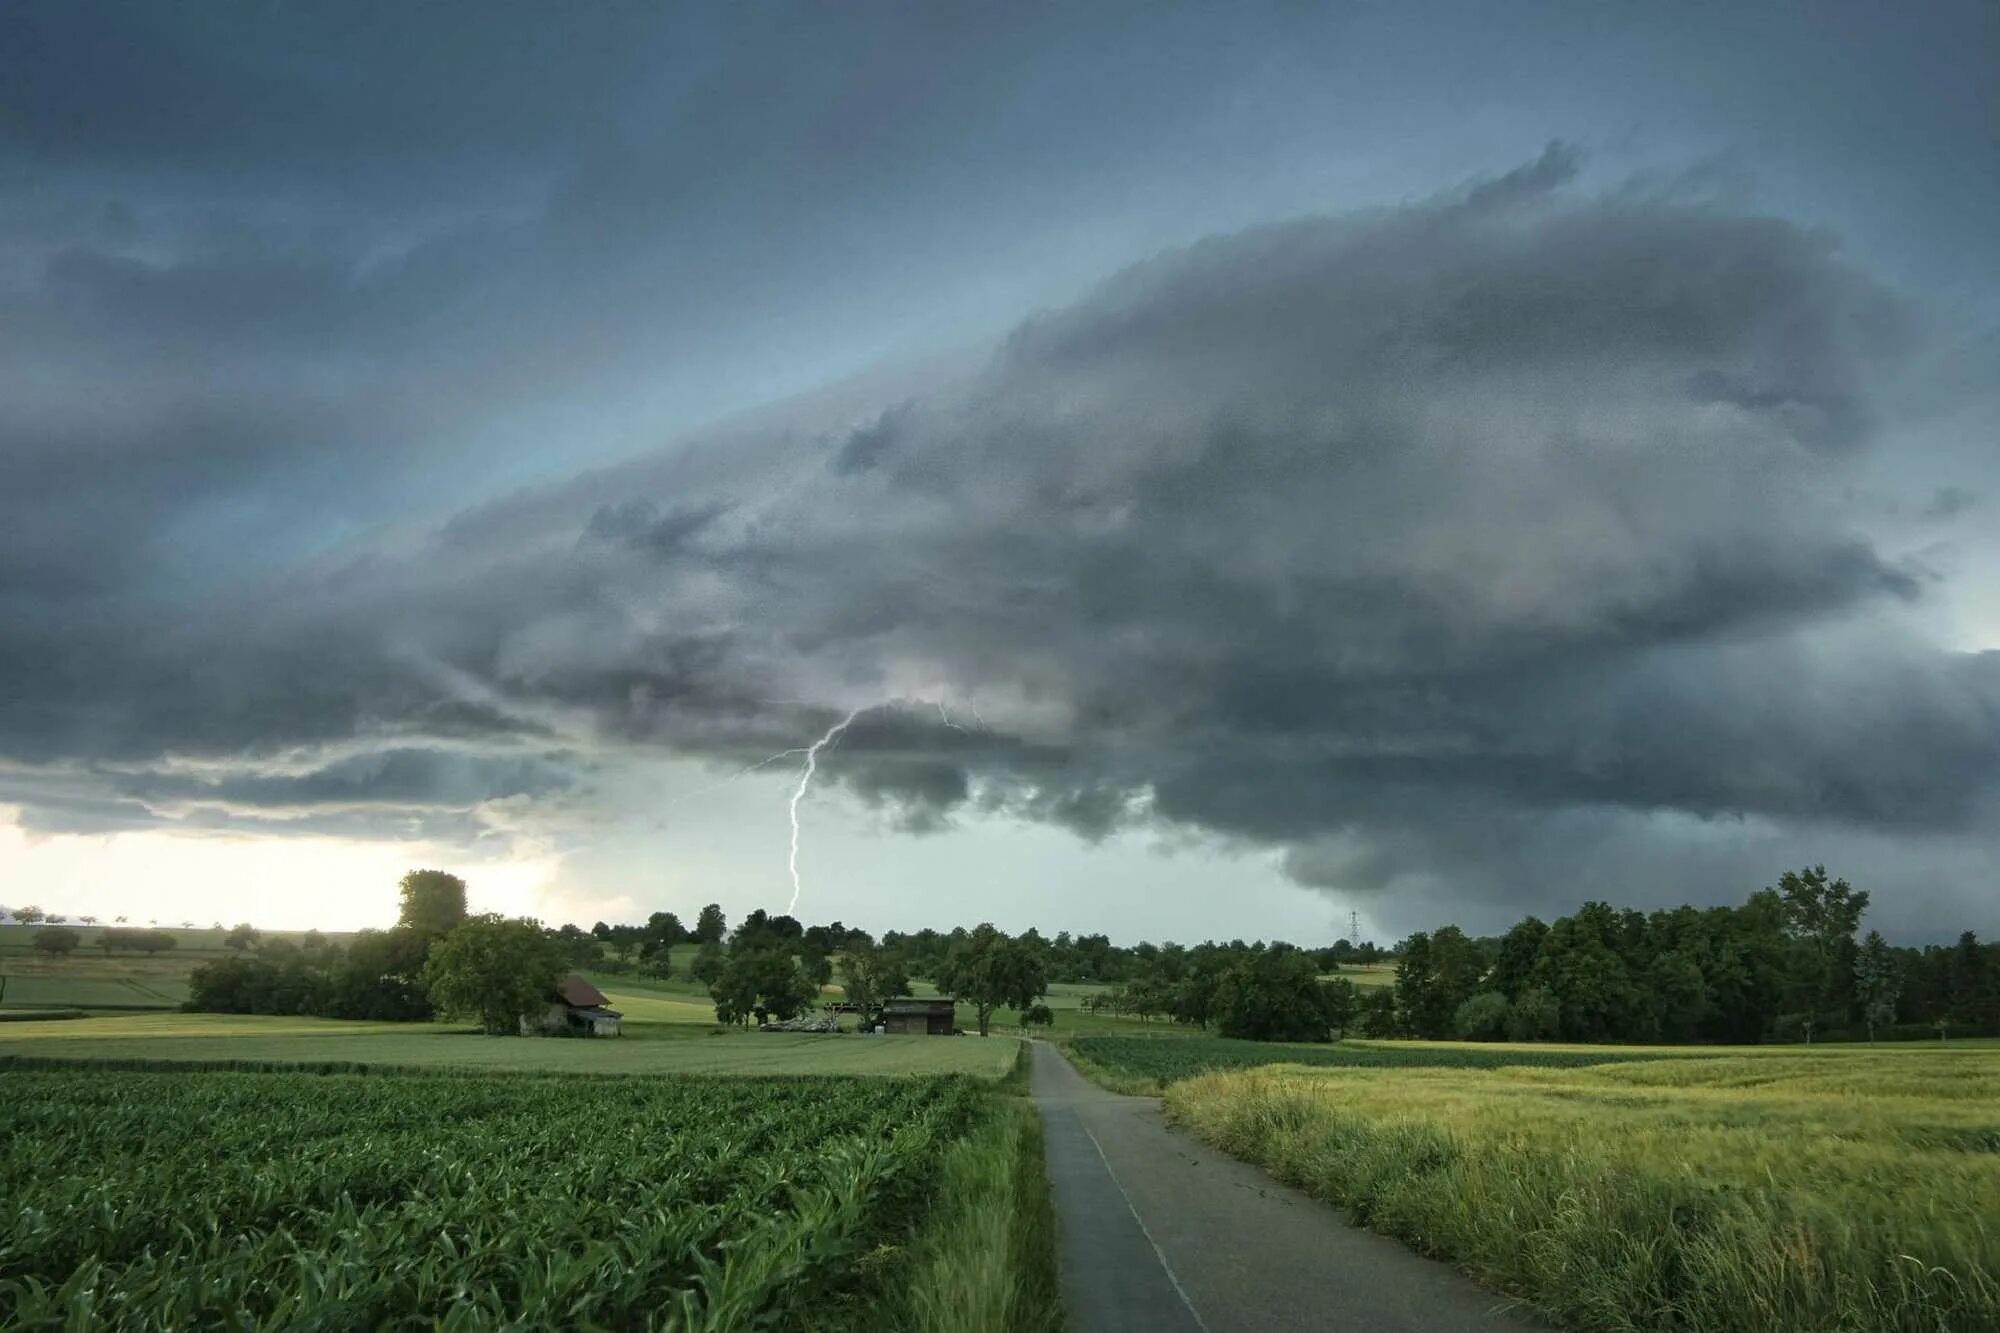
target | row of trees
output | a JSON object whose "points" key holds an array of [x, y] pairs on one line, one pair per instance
{"points": [[1094, 959], [378, 974], [1786, 965]]}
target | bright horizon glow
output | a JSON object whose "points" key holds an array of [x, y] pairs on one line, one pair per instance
{"points": [[273, 883]]}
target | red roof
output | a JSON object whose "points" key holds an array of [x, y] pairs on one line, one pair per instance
{"points": [[580, 993]]}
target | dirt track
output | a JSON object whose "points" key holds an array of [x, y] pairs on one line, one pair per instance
{"points": [[1162, 1234]]}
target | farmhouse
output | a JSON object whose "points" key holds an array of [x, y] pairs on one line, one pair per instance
{"points": [[577, 1008], [934, 1018]]}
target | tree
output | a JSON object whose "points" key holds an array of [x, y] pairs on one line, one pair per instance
{"points": [[59, 940], [1273, 995], [761, 982], [1534, 1016], [1378, 1014], [1519, 948], [986, 969], [817, 967], [1821, 916], [1972, 982], [29, 915], [1439, 971], [708, 963], [1878, 981], [711, 925], [1341, 998], [871, 974], [1038, 1015], [380, 976], [661, 932], [433, 902], [242, 936], [493, 968]]}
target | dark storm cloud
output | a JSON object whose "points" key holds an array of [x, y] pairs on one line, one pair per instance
{"points": [[1396, 540]]}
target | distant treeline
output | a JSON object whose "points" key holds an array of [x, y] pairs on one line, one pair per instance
{"points": [[1785, 966]]}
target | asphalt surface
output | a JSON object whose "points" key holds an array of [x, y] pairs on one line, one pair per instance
{"points": [[1162, 1234]]}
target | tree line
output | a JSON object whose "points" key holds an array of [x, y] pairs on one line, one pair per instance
{"points": [[1789, 964]]}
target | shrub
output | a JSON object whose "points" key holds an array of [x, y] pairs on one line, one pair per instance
{"points": [[1484, 1017]]}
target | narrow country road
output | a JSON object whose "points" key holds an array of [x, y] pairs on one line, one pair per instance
{"points": [[1160, 1233]]}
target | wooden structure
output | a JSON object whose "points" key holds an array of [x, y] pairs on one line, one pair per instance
{"points": [[577, 1009], [926, 1017]]}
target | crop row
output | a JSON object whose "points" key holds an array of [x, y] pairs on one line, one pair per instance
{"points": [[293, 1200], [1172, 1058]]}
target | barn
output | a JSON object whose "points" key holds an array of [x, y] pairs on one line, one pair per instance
{"points": [[936, 1018], [576, 1009]]}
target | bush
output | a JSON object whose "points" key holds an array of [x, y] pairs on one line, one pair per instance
{"points": [[57, 940], [1484, 1017]]}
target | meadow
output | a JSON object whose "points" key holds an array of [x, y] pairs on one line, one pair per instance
{"points": [[659, 1048], [1839, 1189], [457, 1202], [1145, 1065]]}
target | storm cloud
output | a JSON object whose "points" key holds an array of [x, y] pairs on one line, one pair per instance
{"points": [[1540, 524], [1390, 539]]}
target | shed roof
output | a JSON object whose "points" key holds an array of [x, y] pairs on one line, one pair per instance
{"points": [[580, 993], [923, 1005]]}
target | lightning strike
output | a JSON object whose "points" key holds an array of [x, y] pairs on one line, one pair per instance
{"points": [[805, 781]]}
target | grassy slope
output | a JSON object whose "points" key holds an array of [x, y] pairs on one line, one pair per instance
{"points": [[94, 979], [657, 1048], [1840, 1189]]}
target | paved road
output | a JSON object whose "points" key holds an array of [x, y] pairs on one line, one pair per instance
{"points": [[1162, 1234]]}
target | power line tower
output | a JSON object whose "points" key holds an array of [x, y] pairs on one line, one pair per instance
{"points": [[1354, 928]]}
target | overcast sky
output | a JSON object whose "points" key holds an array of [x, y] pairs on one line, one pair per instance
{"points": [[1234, 465]]}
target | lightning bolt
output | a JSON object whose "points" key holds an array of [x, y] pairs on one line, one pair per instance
{"points": [[799, 794], [947, 719]]}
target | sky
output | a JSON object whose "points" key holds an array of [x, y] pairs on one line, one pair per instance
{"points": [[1203, 471]]}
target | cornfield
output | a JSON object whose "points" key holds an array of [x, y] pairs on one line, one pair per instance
{"points": [[296, 1200]]}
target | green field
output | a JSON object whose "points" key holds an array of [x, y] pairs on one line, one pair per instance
{"points": [[444, 1201], [656, 1049], [93, 979], [1839, 1189], [1146, 1064]]}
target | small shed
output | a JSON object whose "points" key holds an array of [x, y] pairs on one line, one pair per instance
{"points": [[577, 1008], [926, 1017]]}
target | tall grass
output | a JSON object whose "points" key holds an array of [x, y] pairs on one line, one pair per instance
{"points": [[1841, 1191], [986, 1260]]}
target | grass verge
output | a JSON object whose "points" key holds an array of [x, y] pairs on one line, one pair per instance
{"points": [[1843, 1191], [985, 1262]]}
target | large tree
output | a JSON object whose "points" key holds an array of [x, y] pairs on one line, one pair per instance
{"points": [[711, 925], [761, 982], [872, 974], [986, 969], [242, 936], [57, 940], [1274, 995], [433, 902], [493, 968], [1878, 981], [1821, 917], [1440, 971]]}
